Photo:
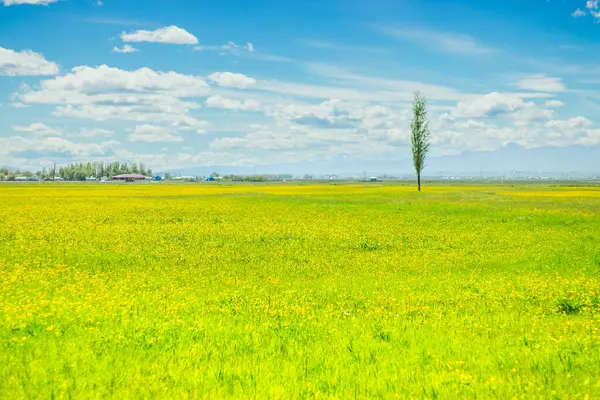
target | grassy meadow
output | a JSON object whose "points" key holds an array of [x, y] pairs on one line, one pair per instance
{"points": [[299, 291]]}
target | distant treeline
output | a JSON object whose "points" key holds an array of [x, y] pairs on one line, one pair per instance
{"points": [[82, 171], [78, 171], [9, 174]]}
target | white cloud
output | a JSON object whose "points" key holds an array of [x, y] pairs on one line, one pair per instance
{"points": [[125, 49], [93, 133], [104, 93], [138, 113], [443, 42], [593, 8], [53, 147], [31, 2], [591, 138], [231, 47], [25, 63], [541, 83], [489, 105], [329, 114], [228, 49], [232, 80], [153, 134], [302, 142], [592, 5], [37, 128], [230, 104], [264, 138], [94, 80], [554, 104], [570, 125], [200, 127], [507, 119], [503, 109], [170, 34], [571, 131], [323, 127]]}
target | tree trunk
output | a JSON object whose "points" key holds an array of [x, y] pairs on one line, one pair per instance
{"points": [[419, 181]]}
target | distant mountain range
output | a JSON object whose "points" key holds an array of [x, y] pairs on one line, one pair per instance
{"points": [[511, 160]]}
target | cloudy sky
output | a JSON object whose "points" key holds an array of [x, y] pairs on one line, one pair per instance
{"points": [[235, 82]]}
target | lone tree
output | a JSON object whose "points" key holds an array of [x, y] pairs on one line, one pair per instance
{"points": [[419, 134]]}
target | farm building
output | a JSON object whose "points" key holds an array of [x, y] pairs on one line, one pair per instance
{"points": [[130, 177]]}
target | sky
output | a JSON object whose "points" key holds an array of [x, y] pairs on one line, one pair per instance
{"points": [[184, 83]]}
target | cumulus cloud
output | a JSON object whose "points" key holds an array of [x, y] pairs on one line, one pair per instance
{"points": [[125, 49], [231, 104], [103, 93], [338, 114], [54, 147], [31, 2], [541, 83], [571, 131], [200, 127], [570, 125], [138, 113], [93, 133], [153, 134], [591, 138], [488, 105], [332, 123], [94, 80], [329, 114], [170, 34], [470, 127], [554, 104], [231, 80], [592, 7], [264, 138], [37, 128], [25, 63]]}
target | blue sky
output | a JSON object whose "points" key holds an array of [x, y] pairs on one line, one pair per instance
{"points": [[192, 83]]}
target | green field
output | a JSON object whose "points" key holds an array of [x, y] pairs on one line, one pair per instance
{"points": [[299, 291]]}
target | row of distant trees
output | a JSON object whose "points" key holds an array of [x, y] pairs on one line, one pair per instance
{"points": [[78, 171], [10, 174], [81, 171]]}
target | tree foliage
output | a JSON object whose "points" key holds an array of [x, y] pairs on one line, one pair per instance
{"points": [[419, 135], [82, 170]]}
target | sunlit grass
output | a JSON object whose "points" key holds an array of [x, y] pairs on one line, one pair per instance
{"points": [[316, 290]]}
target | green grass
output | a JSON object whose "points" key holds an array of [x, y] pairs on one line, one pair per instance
{"points": [[283, 291]]}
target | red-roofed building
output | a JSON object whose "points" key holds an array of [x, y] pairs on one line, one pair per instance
{"points": [[129, 177]]}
